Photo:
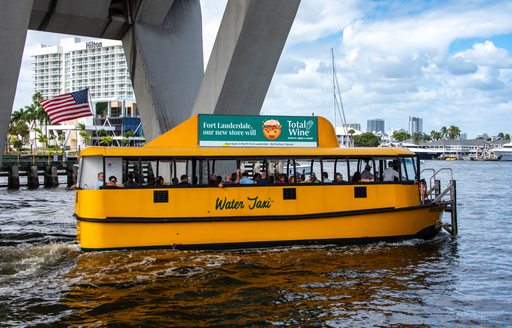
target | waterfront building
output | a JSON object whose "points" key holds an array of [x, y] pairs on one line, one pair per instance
{"points": [[375, 125], [415, 125], [99, 65]]}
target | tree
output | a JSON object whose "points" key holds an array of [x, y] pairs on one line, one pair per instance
{"points": [[436, 135], [500, 136], [400, 135], [366, 139], [126, 137], [83, 133], [453, 132], [507, 137], [106, 140], [444, 132], [417, 137]]}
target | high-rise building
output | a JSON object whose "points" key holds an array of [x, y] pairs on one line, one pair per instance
{"points": [[355, 126], [74, 65], [99, 65], [375, 125], [415, 125]]}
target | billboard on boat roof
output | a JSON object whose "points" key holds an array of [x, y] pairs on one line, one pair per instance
{"points": [[257, 131]]}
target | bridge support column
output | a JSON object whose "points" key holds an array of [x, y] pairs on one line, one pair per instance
{"points": [[251, 38], [165, 60], [14, 19]]}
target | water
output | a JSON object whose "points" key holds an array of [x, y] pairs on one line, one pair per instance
{"points": [[45, 281]]}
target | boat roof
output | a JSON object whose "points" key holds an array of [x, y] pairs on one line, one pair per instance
{"points": [[183, 140]]}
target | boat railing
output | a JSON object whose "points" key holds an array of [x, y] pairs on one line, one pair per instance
{"points": [[447, 195]]}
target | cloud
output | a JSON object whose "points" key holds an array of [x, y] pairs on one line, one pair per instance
{"points": [[393, 61], [460, 66]]}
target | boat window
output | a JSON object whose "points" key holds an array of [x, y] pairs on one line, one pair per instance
{"points": [[89, 168], [408, 169], [114, 167], [132, 167]]}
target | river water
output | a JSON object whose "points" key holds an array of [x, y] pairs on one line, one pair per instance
{"points": [[45, 281]]}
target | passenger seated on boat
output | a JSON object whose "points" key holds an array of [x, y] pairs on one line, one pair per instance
{"points": [[423, 190], [312, 178], [174, 181], [366, 174], [356, 177], [112, 182], [256, 178], [245, 178], [159, 181], [213, 180], [291, 179], [130, 181], [338, 178], [281, 179], [390, 174], [184, 181], [99, 182], [325, 177], [264, 179]]}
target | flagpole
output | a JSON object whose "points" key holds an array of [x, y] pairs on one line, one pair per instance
{"points": [[93, 113]]}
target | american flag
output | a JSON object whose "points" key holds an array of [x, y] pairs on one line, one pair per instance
{"points": [[68, 106]]}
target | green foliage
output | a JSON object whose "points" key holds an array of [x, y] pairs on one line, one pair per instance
{"points": [[400, 136], [366, 139], [106, 140]]}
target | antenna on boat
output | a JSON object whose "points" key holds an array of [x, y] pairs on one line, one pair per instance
{"points": [[337, 101]]}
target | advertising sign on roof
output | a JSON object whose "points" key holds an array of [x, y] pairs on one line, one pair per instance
{"points": [[257, 131]]}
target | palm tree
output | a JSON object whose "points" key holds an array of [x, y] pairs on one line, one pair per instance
{"points": [[444, 132], [453, 132]]}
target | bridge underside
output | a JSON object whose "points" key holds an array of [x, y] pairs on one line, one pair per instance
{"points": [[163, 45]]}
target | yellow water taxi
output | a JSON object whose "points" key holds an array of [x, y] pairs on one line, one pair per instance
{"points": [[175, 192]]}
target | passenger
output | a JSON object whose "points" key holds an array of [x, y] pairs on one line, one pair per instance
{"points": [[213, 181], [325, 178], [184, 181], [174, 181], [356, 177], [338, 178], [423, 190], [271, 179], [227, 180], [238, 176], [159, 181], [312, 178], [390, 174], [112, 182], [256, 178], [264, 179], [281, 179], [245, 178], [99, 182], [130, 181], [291, 179], [366, 175]]}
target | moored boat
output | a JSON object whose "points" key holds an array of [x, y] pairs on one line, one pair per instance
{"points": [[152, 210], [504, 153]]}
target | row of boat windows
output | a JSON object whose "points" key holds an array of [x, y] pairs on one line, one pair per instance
{"points": [[201, 171]]}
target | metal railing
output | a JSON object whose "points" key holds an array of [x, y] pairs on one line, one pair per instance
{"points": [[448, 195]]}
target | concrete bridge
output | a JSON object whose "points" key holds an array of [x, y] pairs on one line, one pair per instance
{"points": [[163, 44]]}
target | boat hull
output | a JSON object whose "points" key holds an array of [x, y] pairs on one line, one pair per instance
{"points": [[243, 232]]}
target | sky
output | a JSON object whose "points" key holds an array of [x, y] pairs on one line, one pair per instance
{"points": [[448, 62]]}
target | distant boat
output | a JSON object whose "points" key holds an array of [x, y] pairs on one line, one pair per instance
{"points": [[504, 153], [422, 153]]}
